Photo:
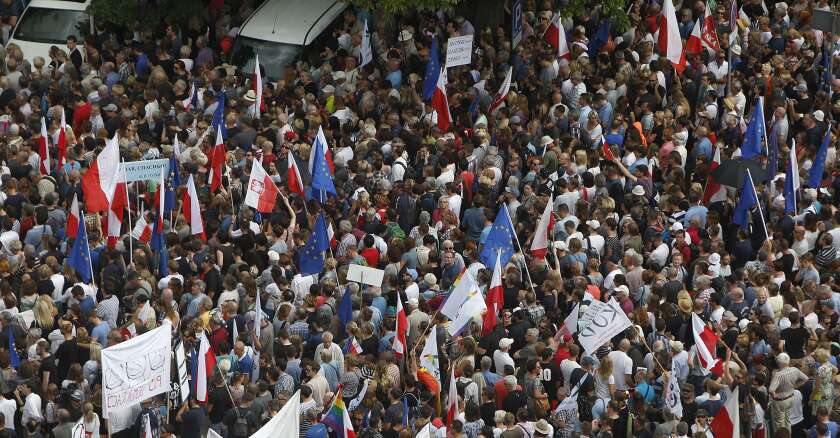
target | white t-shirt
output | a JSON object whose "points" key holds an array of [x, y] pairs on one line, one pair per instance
{"points": [[622, 366], [8, 408], [500, 359], [566, 368]]}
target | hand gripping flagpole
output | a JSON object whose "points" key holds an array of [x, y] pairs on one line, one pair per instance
{"points": [[524, 259]]}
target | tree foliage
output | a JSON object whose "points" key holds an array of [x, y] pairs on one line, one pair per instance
{"points": [[390, 7], [610, 9], [145, 12]]}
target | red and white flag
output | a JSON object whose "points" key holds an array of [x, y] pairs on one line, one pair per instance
{"points": [[495, 298], [295, 181], [192, 210], [539, 245], [74, 217], [669, 40], [61, 141], [714, 191], [321, 138], [556, 36], [206, 363], [400, 343], [451, 398], [503, 92], [608, 155], [355, 347], [44, 148], [440, 102], [100, 181], [187, 103], [262, 193], [694, 43], [727, 423], [217, 161], [142, 229], [116, 212], [709, 34], [705, 343], [331, 236], [257, 85]]}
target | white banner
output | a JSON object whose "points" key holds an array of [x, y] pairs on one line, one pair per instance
{"points": [[136, 369], [672, 396], [459, 51], [183, 380], [144, 170], [604, 323]]}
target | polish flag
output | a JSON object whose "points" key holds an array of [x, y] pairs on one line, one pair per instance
{"points": [[331, 236], [217, 161], [192, 209], [495, 298], [714, 191], [116, 212], [355, 347], [726, 423], [61, 141], [709, 34], [503, 91], [262, 193], [441, 103], [608, 155], [206, 363], [705, 342], [321, 138], [44, 148], [74, 217], [556, 36], [694, 44], [400, 343], [451, 398], [295, 181], [257, 84], [669, 41], [99, 183], [188, 102], [539, 245], [142, 229]]}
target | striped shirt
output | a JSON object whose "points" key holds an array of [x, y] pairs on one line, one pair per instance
{"points": [[347, 241], [784, 381], [108, 309]]}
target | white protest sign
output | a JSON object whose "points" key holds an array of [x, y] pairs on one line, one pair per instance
{"points": [[459, 51], [594, 308], [137, 369], [144, 170], [365, 275], [181, 363], [604, 323], [672, 396]]}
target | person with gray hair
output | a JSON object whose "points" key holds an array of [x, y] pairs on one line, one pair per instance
{"points": [[784, 381]]}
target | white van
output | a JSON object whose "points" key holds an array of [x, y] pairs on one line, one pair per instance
{"points": [[47, 23], [280, 31]]}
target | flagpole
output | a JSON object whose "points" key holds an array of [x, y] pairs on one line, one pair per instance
{"points": [[524, 259], [128, 209], [758, 204], [764, 130], [90, 259]]}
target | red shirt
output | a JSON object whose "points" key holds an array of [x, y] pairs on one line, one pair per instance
{"points": [[80, 114], [561, 355], [217, 337], [371, 255]]}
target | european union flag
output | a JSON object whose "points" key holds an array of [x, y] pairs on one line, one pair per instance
{"points": [[432, 72], [14, 359], [158, 245], [219, 115], [80, 254], [345, 309], [826, 76], [174, 173], [815, 175], [322, 182], [312, 256], [600, 39], [751, 146], [500, 238], [745, 204]]}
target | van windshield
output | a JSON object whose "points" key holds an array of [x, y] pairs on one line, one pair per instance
{"points": [[44, 25], [274, 57]]}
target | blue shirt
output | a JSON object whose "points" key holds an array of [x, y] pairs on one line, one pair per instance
{"points": [[318, 430], [704, 148], [832, 429], [86, 305], [395, 78], [100, 332]]}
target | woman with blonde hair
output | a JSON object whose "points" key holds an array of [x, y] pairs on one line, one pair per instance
{"points": [[90, 420], [823, 394], [45, 312]]}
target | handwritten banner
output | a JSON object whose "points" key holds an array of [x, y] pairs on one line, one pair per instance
{"points": [[604, 323]]}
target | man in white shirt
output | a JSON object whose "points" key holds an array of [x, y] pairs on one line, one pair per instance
{"points": [[622, 366], [334, 349], [501, 357], [567, 366], [8, 408], [595, 240], [31, 403], [659, 255]]}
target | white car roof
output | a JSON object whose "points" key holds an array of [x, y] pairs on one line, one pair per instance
{"points": [[291, 21], [60, 4]]}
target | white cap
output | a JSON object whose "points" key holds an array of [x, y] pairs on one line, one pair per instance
{"points": [[593, 224], [273, 256], [622, 289], [714, 259], [505, 342], [639, 190]]}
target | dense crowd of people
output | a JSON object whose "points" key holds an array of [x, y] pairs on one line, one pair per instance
{"points": [[617, 142]]}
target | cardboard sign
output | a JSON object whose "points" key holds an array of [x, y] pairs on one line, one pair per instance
{"points": [[143, 170], [365, 275], [459, 51]]}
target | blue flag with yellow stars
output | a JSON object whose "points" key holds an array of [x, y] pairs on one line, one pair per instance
{"points": [[312, 256], [80, 254], [500, 238]]}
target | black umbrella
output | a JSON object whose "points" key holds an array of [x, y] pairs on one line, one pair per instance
{"points": [[731, 172]]}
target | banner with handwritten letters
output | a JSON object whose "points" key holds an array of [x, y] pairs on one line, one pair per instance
{"points": [[672, 396], [604, 323], [181, 363], [137, 369]]}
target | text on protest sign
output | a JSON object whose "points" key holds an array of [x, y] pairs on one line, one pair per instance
{"points": [[604, 323], [459, 51], [143, 170], [137, 369]]}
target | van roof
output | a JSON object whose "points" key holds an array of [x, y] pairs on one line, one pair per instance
{"points": [[291, 21], [75, 5]]}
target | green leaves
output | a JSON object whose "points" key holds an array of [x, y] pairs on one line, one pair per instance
{"points": [[399, 6], [610, 9], [129, 12]]}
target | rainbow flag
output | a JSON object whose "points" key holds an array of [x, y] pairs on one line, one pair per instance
{"points": [[338, 419]]}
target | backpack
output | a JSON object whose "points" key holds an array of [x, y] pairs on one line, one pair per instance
{"points": [[408, 173], [240, 425], [461, 387]]}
